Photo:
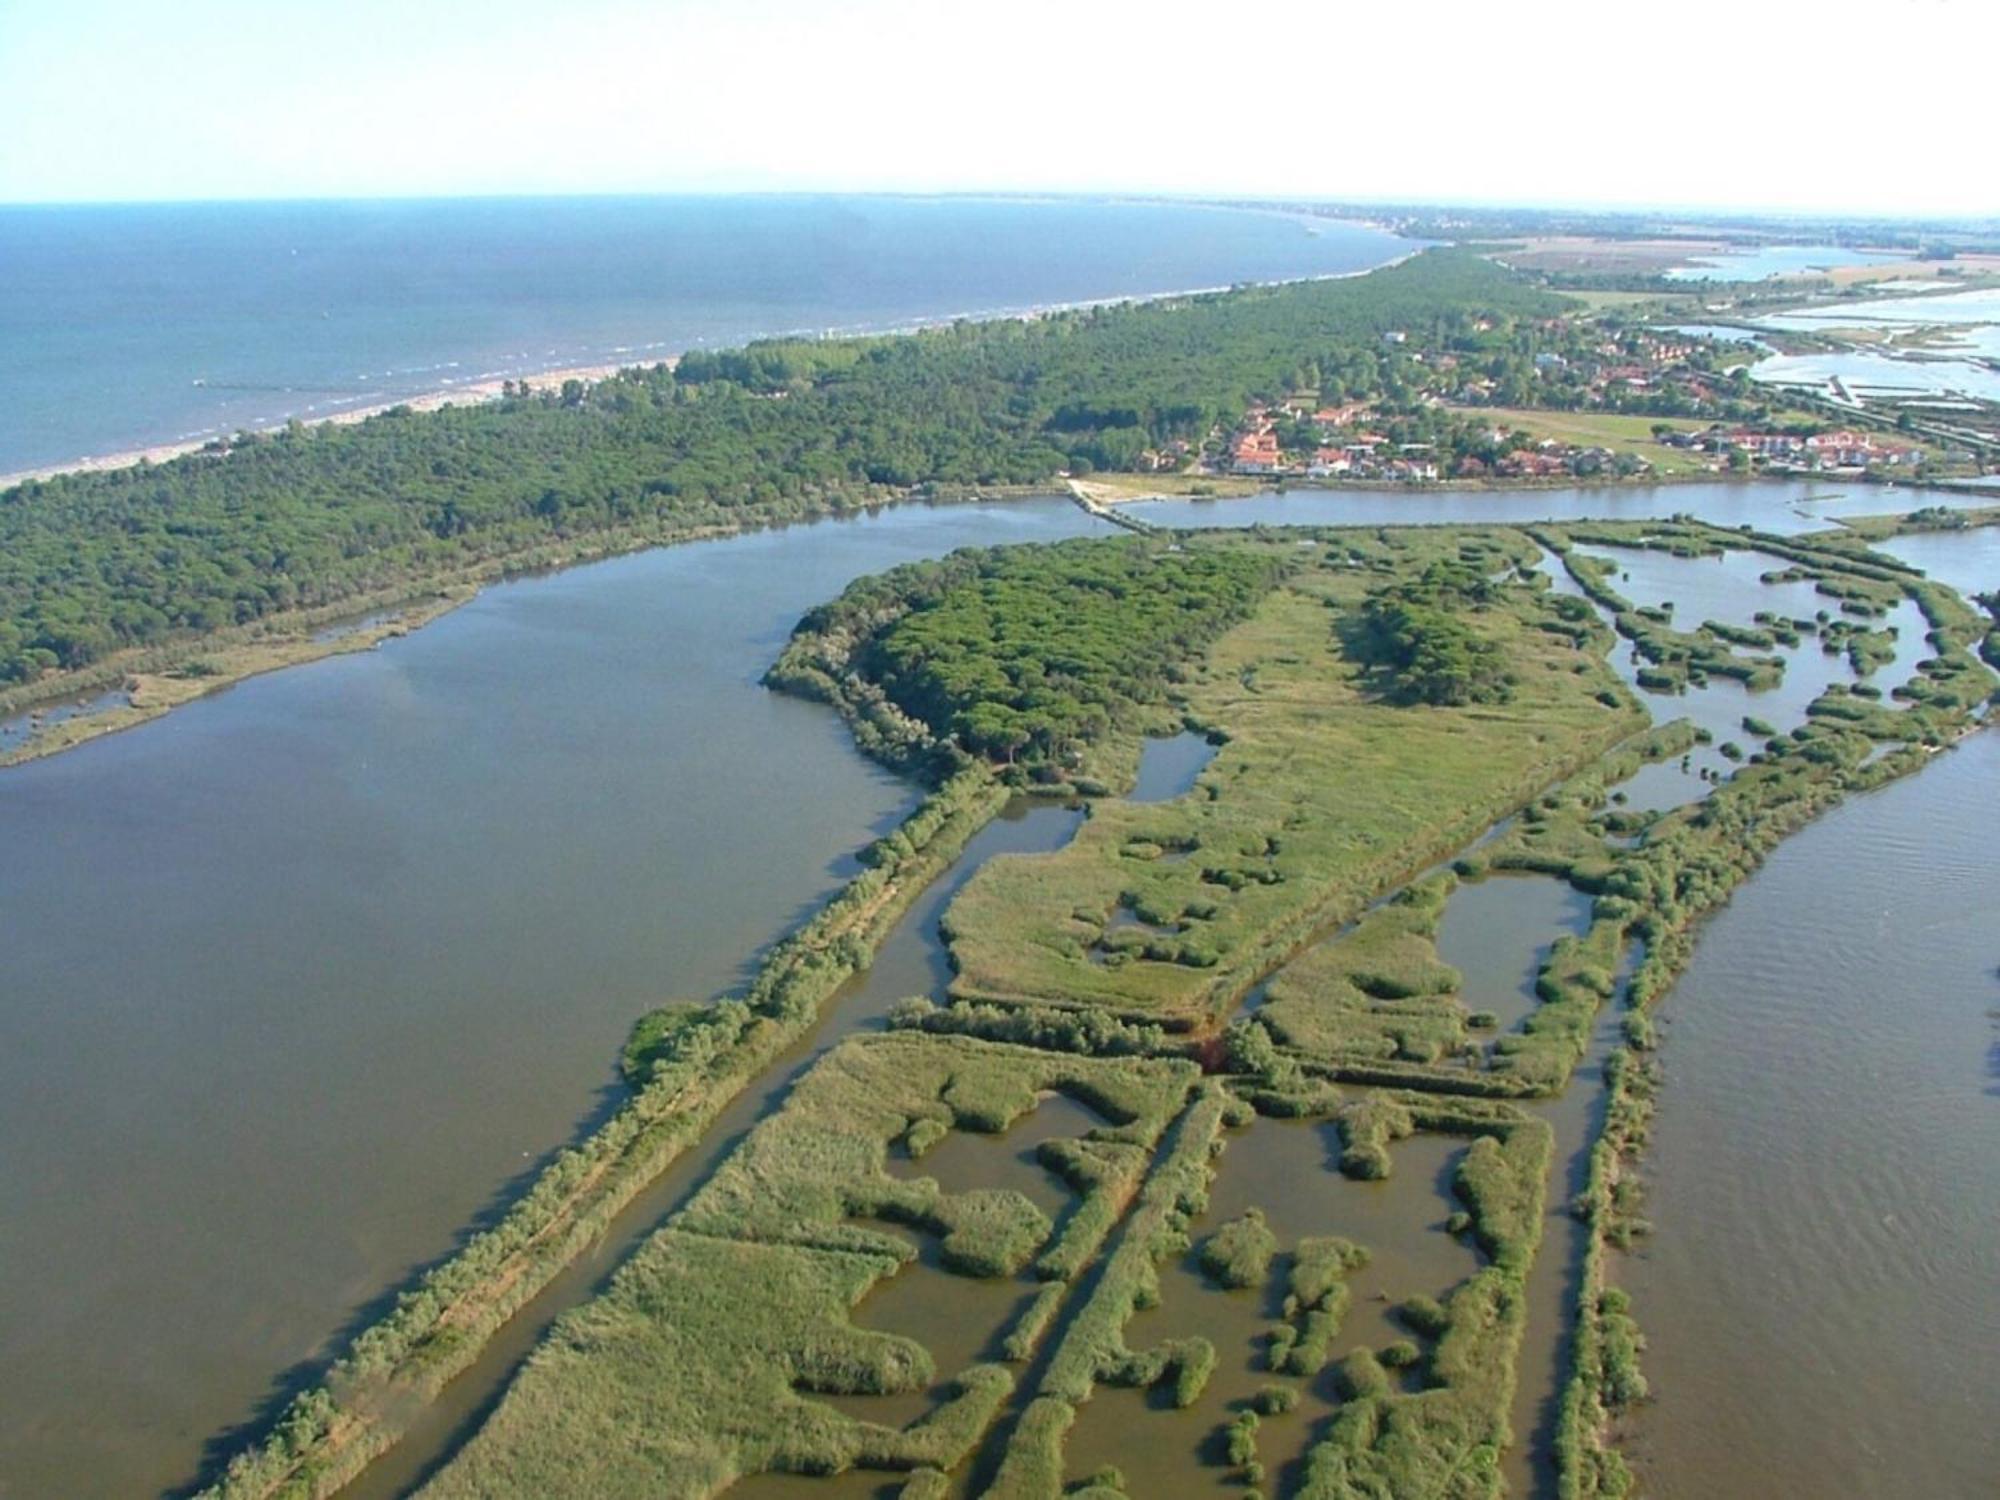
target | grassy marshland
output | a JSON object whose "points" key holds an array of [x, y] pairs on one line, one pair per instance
{"points": [[1652, 891], [1378, 993], [1336, 778], [705, 1359]]}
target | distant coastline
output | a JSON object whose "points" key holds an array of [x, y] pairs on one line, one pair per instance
{"points": [[490, 388]]}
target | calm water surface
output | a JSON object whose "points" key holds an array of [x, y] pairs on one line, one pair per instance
{"points": [[1819, 1298], [301, 977], [1885, 375], [1765, 261], [1496, 932], [1971, 319], [1784, 508], [1170, 765], [1968, 561]]}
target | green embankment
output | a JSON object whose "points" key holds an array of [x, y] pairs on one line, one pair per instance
{"points": [[682, 1081]]}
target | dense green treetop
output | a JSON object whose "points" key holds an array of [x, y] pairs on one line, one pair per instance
{"points": [[309, 517], [1025, 653], [1423, 643]]}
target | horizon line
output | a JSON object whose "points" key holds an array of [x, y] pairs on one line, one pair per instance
{"points": [[1220, 198]]}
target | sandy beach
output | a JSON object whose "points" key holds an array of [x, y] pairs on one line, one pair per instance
{"points": [[471, 393]]}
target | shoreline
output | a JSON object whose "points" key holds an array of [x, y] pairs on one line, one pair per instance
{"points": [[156, 682], [150, 695], [489, 388], [472, 393]]}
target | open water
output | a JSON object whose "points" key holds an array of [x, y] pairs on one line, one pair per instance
{"points": [[129, 326]]}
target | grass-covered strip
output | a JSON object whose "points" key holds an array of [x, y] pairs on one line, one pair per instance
{"points": [[1859, 531], [1376, 992], [1018, 655], [683, 1074], [702, 1361], [1606, 1379], [1092, 1346], [1656, 876], [1326, 792]]}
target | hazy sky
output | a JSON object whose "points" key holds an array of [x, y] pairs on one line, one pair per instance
{"points": [[1883, 106]]}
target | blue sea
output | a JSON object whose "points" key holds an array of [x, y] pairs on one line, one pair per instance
{"points": [[128, 326]]}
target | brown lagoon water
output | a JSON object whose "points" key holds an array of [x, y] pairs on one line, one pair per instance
{"points": [[301, 978], [1822, 1298], [910, 961]]}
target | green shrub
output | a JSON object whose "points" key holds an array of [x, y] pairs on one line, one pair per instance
{"points": [[1273, 1400], [1195, 1364], [1426, 1315], [1239, 1439], [1239, 1253], [1361, 1375]]}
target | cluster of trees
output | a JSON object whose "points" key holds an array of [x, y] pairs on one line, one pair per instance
{"points": [[313, 516], [1421, 638], [1023, 654]]}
